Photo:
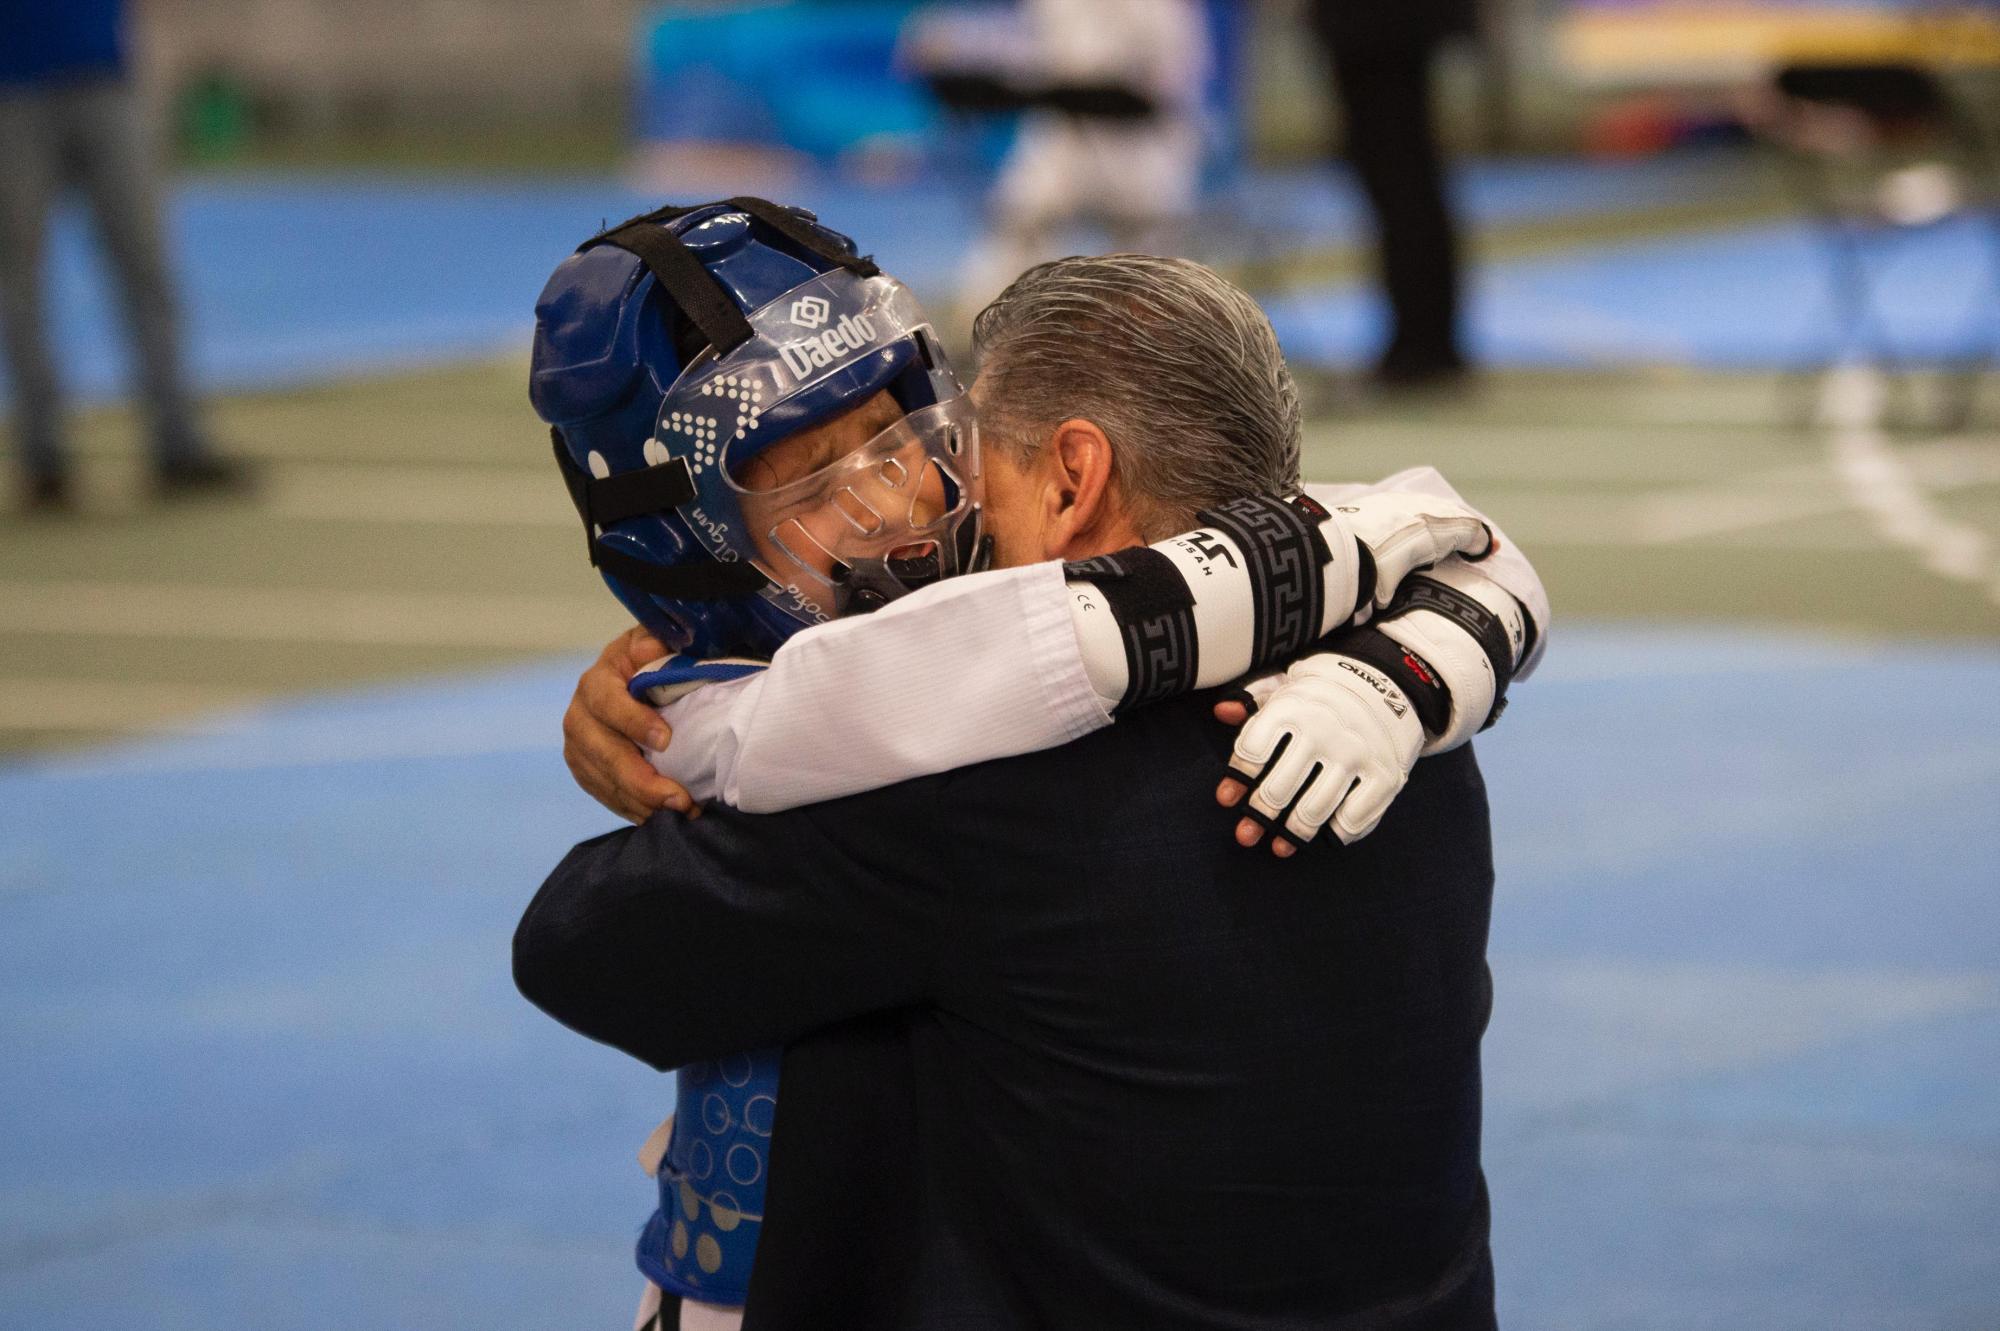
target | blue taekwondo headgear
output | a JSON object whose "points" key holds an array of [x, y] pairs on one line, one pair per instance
{"points": [[673, 348]]}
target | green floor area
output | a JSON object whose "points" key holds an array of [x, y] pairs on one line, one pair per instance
{"points": [[415, 525], [1691, 497]]}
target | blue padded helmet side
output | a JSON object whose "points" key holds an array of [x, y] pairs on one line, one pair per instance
{"points": [[610, 342]]}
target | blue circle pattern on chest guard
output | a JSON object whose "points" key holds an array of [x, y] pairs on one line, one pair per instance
{"points": [[702, 1240]]}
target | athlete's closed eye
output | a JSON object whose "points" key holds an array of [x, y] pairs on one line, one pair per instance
{"points": [[800, 455]]}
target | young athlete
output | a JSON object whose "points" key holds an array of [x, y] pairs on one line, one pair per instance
{"points": [[763, 438]]}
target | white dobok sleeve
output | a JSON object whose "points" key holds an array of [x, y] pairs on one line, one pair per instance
{"points": [[1507, 566], [978, 667]]}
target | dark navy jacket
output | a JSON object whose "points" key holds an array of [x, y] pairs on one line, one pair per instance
{"points": [[1062, 1054]]}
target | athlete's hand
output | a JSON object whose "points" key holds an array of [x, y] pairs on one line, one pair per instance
{"points": [[1331, 739], [1406, 531], [605, 728]]}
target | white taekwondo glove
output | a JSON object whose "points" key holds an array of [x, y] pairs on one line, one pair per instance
{"points": [[1331, 738], [1405, 531], [1473, 669]]}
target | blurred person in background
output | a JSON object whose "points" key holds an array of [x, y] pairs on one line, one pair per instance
{"points": [[69, 116], [1112, 134], [1383, 58]]}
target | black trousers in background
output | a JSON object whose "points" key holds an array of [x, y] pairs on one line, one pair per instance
{"points": [[90, 133], [1384, 86]]}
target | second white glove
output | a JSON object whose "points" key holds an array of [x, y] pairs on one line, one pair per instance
{"points": [[1332, 739], [1407, 531]]}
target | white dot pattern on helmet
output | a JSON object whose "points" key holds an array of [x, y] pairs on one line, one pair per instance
{"points": [[747, 398], [598, 466], [702, 435]]}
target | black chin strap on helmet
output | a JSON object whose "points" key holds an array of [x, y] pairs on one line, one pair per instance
{"points": [[600, 502], [662, 489]]}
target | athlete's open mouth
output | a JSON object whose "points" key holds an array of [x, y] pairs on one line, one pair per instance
{"points": [[914, 563]]}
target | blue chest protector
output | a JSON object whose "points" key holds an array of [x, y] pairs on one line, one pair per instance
{"points": [[701, 1241]]}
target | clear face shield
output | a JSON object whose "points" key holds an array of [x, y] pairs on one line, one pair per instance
{"points": [[897, 512], [883, 520]]}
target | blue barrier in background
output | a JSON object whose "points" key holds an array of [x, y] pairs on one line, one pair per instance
{"points": [[816, 78]]}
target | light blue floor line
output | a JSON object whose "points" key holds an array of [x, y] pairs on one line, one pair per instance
{"points": [[265, 1065]]}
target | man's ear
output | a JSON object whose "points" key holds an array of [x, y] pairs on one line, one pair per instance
{"points": [[1081, 497]]}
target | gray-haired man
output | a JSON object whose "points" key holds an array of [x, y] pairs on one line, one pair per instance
{"points": [[1136, 1078]]}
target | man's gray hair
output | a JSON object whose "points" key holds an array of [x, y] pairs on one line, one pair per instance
{"points": [[1177, 365]]}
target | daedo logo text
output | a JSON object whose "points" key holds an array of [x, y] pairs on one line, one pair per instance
{"points": [[853, 332]]}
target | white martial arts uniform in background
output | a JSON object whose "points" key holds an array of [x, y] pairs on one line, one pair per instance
{"points": [[1141, 177]]}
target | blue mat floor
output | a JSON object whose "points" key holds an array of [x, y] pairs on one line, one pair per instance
{"points": [[1756, 297], [304, 278], [266, 1067]]}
